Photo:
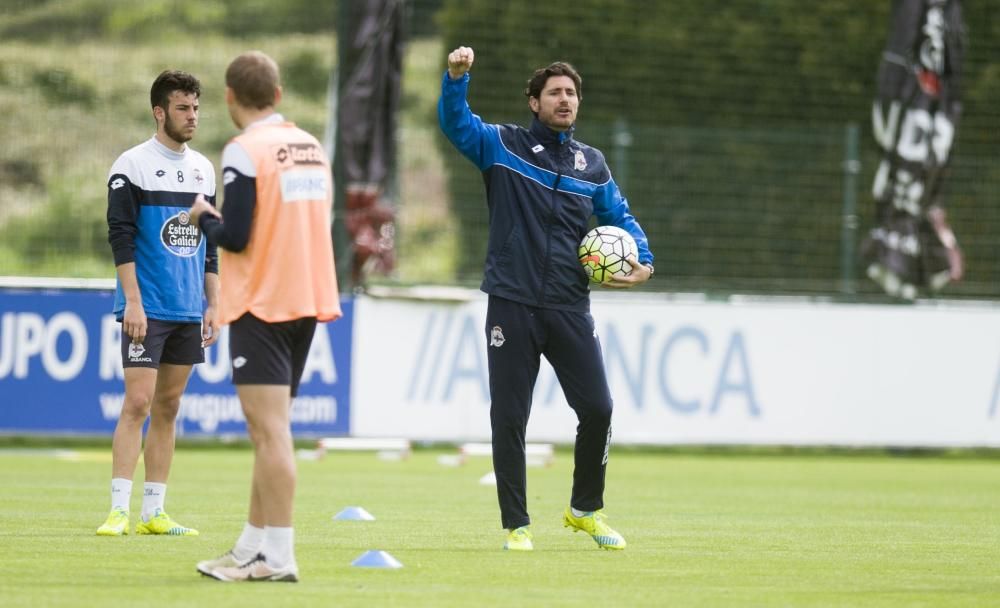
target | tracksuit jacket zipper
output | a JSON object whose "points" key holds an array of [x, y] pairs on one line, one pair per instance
{"points": [[548, 236]]}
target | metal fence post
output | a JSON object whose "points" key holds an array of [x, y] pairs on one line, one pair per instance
{"points": [[849, 220], [621, 140]]}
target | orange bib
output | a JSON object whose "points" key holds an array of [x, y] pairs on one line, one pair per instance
{"points": [[287, 270]]}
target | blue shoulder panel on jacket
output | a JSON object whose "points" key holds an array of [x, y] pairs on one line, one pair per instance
{"points": [[514, 162]]}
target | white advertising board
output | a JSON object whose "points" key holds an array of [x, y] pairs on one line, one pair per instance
{"points": [[763, 373]]}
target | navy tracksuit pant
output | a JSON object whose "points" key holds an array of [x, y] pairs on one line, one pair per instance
{"points": [[517, 336]]}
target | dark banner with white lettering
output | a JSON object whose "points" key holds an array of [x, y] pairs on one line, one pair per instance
{"points": [[61, 372], [911, 250]]}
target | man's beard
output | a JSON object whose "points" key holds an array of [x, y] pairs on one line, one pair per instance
{"points": [[174, 133]]}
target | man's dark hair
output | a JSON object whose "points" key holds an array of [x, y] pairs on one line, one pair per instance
{"points": [[542, 75], [169, 81]]}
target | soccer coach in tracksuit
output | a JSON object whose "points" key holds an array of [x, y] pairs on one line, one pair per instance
{"points": [[542, 187]]}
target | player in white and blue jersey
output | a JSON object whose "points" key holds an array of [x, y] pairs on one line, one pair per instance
{"points": [[165, 271]]}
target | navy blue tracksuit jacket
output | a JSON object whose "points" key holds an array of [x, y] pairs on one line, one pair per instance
{"points": [[542, 187]]}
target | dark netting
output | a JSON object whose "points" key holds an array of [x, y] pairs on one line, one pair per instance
{"points": [[739, 130]]}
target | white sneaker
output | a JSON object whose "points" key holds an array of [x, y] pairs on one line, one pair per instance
{"points": [[257, 570], [226, 560]]}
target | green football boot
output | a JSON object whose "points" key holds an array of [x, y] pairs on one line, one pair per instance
{"points": [[115, 525], [519, 539], [161, 523], [593, 524]]}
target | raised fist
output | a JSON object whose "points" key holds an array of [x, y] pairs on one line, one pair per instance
{"points": [[460, 61]]}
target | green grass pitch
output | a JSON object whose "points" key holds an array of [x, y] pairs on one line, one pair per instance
{"points": [[731, 529]]}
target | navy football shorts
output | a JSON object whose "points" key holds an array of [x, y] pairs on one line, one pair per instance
{"points": [[270, 353], [165, 342]]}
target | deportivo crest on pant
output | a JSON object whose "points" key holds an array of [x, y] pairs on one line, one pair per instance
{"points": [[496, 336], [579, 161], [135, 350]]}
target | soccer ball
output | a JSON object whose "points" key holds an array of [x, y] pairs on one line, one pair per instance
{"points": [[603, 251]]}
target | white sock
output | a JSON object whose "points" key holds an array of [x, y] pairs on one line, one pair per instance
{"points": [[578, 513], [279, 547], [249, 543], [153, 495], [121, 493]]}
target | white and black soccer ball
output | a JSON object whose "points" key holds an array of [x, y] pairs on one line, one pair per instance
{"points": [[603, 251]]}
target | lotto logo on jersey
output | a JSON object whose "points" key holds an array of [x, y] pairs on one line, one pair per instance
{"points": [[299, 154], [180, 236]]}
